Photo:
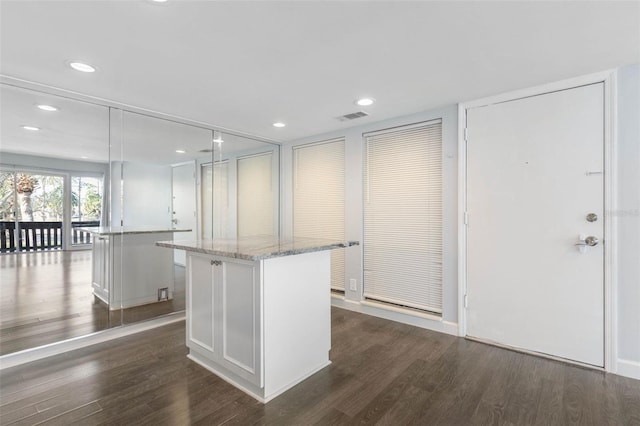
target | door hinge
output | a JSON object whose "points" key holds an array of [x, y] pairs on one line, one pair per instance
{"points": [[466, 134], [466, 301], [466, 218]]}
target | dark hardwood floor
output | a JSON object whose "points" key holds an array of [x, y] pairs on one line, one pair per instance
{"points": [[46, 297], [383, 373]]}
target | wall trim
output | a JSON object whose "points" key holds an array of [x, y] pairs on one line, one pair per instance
{"points": [[462, 228], [57, 348], [628, 368], [380, 310], [109, 103], [608, 77]]}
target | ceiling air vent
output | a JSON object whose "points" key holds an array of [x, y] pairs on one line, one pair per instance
{"points": [[353, 116]]}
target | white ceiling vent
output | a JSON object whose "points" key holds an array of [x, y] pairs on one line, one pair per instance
{"points": [[353, 116]]}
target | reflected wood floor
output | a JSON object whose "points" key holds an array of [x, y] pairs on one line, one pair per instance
{"points": [[46, 297], [382, 373]]}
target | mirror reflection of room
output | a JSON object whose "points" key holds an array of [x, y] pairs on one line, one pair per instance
{"points": [[54, 167], [86, 195]]}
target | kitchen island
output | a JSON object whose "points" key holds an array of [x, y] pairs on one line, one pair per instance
{"points": [[128, 269], [259, 309]]}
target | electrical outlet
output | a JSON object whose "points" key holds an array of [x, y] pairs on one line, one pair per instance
{"points": [[352, 284], [163, 293]]}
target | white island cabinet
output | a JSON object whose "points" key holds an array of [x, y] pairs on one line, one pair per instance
{"points": [[128, 269], [259, 309]]}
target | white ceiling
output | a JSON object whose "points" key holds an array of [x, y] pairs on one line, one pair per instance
{"points": [[243, 65]]}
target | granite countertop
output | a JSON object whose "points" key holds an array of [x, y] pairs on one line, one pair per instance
{"points": [[256, 248], [117, 230]]}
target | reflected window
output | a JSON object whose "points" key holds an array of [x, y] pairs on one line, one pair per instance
{"points": [[215, 200], [86, 206], [255, 195], [32, 210]]}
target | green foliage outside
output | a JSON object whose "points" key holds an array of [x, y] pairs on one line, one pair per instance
{"points": [[45, 202]]}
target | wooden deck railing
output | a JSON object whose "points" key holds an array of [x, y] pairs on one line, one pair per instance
{"points": [[38, 236], [79, 236], [7, 237]]}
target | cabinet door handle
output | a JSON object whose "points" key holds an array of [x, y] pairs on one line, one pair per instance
{"points": [[216, 262]]}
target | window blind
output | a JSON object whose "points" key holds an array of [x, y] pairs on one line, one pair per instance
{"points": [[206, 194], [402, 191], [215, 199], [255, 195], [318, 198]]}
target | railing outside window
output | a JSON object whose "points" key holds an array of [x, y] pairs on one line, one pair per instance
{"points": [[80, 237], [40, 236]]}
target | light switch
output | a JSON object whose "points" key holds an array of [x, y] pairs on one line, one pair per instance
{"points": [[352, 284]]}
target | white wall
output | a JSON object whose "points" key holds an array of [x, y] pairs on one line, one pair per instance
{"points": [[145, 195], [48, 163], [353, 212], [628, 217], [627, 214]]}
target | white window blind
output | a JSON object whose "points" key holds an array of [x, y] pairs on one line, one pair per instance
{"points": [[255, 195], [318, 198], [215, 199], [403, 216]]}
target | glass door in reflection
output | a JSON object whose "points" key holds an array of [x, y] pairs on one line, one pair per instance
{"points": [[32, 207]]}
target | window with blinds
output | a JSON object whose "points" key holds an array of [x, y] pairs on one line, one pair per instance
{"points": [[402, 194], [318, 198], [215, 199], [255, 195]]}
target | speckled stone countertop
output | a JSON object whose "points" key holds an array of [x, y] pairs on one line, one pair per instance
{"points": [[117, 230], [257, 248]]}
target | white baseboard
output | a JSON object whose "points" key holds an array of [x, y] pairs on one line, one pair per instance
{"points": [[628, 368], [405, 316], [141, 301], [34, 354]]}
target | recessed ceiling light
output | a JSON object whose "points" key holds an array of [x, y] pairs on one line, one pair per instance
{"points": [[218, 141], [47, 108], [84, 157], [365, 101], [279, 124], [31, 128], [81, 66], [159, 1], [180, 151]]}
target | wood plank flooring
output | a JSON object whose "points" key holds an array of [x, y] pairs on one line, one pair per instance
{"points": [[46, 297], [382, 372]]}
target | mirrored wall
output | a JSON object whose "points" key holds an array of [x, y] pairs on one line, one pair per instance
{"points": [[86, 190]]}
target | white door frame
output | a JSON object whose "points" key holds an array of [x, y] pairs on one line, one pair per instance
{"points": [[610, 185]]}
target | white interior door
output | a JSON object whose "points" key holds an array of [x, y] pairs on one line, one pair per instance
{"points": [[184, 206], [534, 177]]}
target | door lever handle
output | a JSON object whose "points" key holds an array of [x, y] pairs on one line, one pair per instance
{"points": [[588, 241], [591, 241]]}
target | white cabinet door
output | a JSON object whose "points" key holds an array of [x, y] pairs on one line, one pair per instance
{"points": [[240, 318], [201, 302], [106, 265], [224, 314], [96, 270], [100, 268]]}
